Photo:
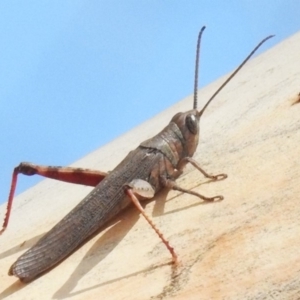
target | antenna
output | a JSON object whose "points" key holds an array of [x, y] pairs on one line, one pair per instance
{"points": [[232, 75], [197, 68]]}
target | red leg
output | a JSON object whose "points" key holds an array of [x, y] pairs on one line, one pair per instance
{"points": [[136, 202], [67, 174]]}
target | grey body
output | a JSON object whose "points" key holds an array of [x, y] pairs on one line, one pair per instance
{"points": [[154, 160]]}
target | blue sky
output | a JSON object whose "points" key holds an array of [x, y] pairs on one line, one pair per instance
{"points": [[76, 74]]}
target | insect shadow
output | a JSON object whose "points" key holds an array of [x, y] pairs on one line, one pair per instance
{"points": [[20, 247]]}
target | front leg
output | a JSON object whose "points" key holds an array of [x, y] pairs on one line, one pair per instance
{"points": [[168, 181], [192, 161], [172, 185]]}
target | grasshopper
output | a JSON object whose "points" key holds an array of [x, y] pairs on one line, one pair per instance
{"points": [[155, 164]]}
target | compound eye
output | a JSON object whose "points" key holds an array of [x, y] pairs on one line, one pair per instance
{"points": [[191, 123]]}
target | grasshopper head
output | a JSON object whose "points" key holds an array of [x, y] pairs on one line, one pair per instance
{"points": [[188, 124]]}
